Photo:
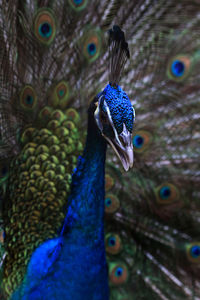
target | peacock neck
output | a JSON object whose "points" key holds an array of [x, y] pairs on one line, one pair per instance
{"points": [[85, 211]]}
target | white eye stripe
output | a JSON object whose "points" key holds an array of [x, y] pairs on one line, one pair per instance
{"points": [[133, 112], [97, 118], [111, 121]]}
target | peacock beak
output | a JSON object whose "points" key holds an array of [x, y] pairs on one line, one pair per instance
{"points": [[123, 147], [121, 143]]}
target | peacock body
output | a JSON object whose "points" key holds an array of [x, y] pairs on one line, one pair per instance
{"points": [[54, 65]]}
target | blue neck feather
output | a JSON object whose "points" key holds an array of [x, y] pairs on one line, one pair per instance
{"points": [[85, 211]]}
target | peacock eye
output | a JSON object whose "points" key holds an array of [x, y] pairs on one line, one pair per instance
{"points": [[45, 30], [113, 244], [166, 193], [142, 140], [91, 49], [179, 67], [28, 98], [193, 252], [112, 204], [118, 273], [45, 26]]}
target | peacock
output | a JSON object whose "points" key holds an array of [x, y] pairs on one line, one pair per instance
{"points": [[73, 73]]}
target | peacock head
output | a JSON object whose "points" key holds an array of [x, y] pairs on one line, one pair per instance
{"points": [[114, 116]]}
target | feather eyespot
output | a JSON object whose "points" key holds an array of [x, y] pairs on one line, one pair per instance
{"points": [[60, 95], [28, 98], [45, 114], [112, 204], [118, 273], [193, 252], [73, 115], [113, 244], [45, 26], [62, 90], [91, 44], [45, 30], [166, 193], [108, 202], [142, 140], [91, 49], [78, 5], [109, 182], [179, 67]]}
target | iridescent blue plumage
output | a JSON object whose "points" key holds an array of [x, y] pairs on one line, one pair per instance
{"points": [[165, 192], [195, 251], [138, 141], [120, 107], [178, 68]]}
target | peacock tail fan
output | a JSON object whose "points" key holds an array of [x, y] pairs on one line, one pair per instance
{"points": [[53, 63]]}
